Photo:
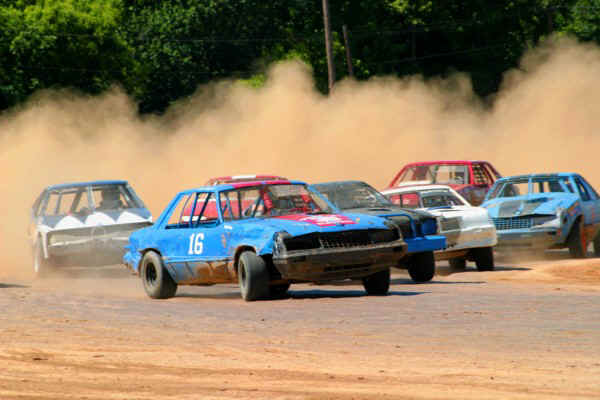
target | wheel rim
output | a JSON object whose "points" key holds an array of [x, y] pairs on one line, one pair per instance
{"points": [[150, 275]]}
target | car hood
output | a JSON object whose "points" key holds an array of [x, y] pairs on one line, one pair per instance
{"points": [[300, 224], [391, 211], [530, 204]]}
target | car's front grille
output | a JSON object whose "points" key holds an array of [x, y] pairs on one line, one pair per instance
{"points": [[345, 239], [503, 224]]}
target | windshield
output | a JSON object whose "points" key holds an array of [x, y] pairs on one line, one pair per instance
{"points": [[520, 186], [436, 173], [348, 195], [440, 198], [270, 200]]}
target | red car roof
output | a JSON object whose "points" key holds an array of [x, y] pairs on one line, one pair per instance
{"points": [[242, 178], [261, 182]]}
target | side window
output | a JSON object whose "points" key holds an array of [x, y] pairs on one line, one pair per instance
{"points": [[198, 209], [590, 188], [51, 204], [583, 192], [230, 205], [480, 175], [178, 218]]}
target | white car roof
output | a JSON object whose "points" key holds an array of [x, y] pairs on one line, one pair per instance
{"points": [[424, 188]]}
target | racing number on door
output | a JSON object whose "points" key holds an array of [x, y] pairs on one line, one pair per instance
{"points": [[196, 244]]}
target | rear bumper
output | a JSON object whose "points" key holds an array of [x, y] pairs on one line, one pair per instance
{"points": [[88, 252], [339, 263]]}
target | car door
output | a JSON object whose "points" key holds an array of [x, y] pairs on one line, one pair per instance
{"points": [[587, 202], [590, 201], [190, 240]]}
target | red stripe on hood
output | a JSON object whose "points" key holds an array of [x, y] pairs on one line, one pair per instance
{"points": [[320, 220]]}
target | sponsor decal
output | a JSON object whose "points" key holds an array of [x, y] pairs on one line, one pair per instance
{"points": [[320, 220]]}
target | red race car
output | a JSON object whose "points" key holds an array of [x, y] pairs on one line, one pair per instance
{"points": [[472, 179]]}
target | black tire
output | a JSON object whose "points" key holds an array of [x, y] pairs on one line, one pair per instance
{"points": [[597, 245], [42, 267], [158, 284], [421, 267], [484, 258], [576, 241], [459, 264], [377, 284], [253, 277], [278, 291]]}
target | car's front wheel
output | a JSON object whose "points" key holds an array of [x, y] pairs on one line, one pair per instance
{"points": [[421, 267], [41, 266], [597, 245], [158, 284], [576, 241], [377, 284], [484, 258], [253, 276]]}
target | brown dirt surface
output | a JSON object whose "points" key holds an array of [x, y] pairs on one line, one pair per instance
{"points": [[93, 334]]}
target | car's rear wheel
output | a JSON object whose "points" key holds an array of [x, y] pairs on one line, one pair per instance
{"points": [[459, 264], [377, 284], [42, 267], [158, 284], [253, 276], [576, 241], [421, 267], [484, 258]]}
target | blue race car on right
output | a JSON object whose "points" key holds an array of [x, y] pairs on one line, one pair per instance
{"points": [[545, 211]]}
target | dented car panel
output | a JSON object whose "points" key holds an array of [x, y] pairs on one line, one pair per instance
{"points": [[73, 224], [202, 247], [539, 211]]}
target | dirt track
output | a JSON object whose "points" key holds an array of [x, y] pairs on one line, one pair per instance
{"points": [[526, 331]]}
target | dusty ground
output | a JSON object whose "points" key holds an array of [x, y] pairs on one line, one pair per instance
{"points": [[530, 330]]}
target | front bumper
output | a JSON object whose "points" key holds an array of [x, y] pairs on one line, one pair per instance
{"points": [[340, 263], [425, 243], [528, 238]]}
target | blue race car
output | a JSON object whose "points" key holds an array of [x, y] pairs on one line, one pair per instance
{"points": [[264, 235], [419, 228], [545, 211]]}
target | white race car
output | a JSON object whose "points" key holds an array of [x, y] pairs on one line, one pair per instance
{"points": [[470, 233]]}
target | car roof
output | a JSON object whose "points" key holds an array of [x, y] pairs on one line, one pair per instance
{"points": [[90, 183], [249, 177], [540, 175], [229, 186], [338, 183], [445, 162], [416, 188]]}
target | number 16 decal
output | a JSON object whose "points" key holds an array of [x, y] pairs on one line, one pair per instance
{"points": [[196, 244]]}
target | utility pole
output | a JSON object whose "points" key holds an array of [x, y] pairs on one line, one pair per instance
{"points": [[328, 49], [348, 55]]}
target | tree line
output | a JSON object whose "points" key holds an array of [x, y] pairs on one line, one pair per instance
{"points": [[160, 51]]}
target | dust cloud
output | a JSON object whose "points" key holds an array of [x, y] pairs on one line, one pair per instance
{"points": [[545, 118]]}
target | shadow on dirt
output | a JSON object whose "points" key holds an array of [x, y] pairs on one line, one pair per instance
{"points": [[320, 293], [12, 285], [408, 281], [295, 294]]}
